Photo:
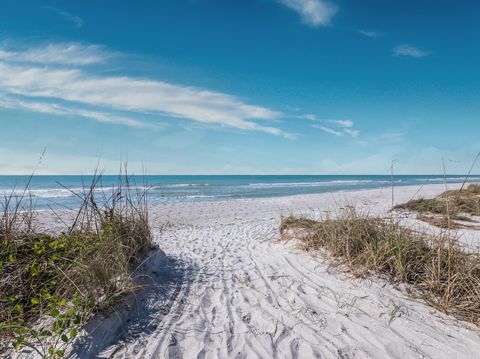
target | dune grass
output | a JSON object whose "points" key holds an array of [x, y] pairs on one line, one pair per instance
{"points": [[437, 269], [450, 205], [50, 284]]}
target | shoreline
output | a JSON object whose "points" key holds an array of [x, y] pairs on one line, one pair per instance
{"points": [[428, 187], [46, 195]]}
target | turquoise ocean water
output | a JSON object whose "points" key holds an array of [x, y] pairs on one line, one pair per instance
{"points": [[58, 191]]}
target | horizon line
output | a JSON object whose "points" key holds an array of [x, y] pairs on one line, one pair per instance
{"points": [[185, 175]]}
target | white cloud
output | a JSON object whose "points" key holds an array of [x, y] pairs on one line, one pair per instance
{"points": [[391, 136], [329, 130], [315, 118], [57, 54], [75, 20], [409, 50], [22, 77], [352, 133], [369, 33], [309, 116], [58, 110], [342, 123], [313, 12], [132, 94], [341, 128]]}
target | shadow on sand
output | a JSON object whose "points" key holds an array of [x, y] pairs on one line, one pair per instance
{"points": [[165, 283]]}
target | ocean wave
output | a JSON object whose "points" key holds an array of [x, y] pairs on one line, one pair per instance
{"points": [[197, 191], [40, 193], [314, 184], [179, 185], [199, 196], [442, 179], [57, 192]]}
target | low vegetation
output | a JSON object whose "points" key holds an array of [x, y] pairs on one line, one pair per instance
{"points": [[448, 208], [437, 269], [50, 284]]}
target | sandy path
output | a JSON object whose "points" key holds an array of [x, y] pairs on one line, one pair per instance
{"points": [[229, 289]]}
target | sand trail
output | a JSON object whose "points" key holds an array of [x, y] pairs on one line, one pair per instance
{"points": [[239, 293]]}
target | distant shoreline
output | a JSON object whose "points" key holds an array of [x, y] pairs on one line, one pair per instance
{"points": [[59, 191]]}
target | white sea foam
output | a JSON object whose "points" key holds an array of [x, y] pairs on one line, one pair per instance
{"points": [[313, 184], [53, 192], [179, 185], [200, 196], [451, 179], [40, 193], [174, 191]]}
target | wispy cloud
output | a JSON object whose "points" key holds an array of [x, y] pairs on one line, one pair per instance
{"points": [[329, 130], [369, 33], [339, 128], [342, 123], [59, 110], [37, 85], [313, 12], [409, 50], [352, 133], [75, 20], [309, 116], [391, 136], [56, 54]]}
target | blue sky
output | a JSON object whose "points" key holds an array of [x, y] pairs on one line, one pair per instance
{"points": [[239, 86]]}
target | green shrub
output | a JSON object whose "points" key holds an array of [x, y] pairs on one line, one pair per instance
{"points": [[51, 284]]}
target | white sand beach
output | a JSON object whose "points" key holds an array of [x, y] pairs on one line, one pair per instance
{"points": [[225, 287]]}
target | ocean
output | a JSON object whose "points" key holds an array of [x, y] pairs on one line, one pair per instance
{"points": [[60, 191]]}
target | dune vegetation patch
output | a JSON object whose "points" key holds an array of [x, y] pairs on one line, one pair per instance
{"points": [[435, 267], [449, 209], [51, 284]]}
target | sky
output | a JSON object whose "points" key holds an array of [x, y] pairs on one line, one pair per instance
{"points": [[239, 86]]}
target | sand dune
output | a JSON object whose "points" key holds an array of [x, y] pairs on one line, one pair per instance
{"points": [[227, 288]]}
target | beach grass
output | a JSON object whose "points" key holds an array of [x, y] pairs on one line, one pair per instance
{"points": [[50, 284], [448, 207], [435, 267]]}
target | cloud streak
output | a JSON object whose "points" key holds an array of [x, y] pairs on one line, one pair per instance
{"points": [[339, 128], [57, 54], [409, 50], [342, 123], [26, 75], [329, 130], [59, 110], [313, 12], [309, 116], [369, 33], [75, 20]]}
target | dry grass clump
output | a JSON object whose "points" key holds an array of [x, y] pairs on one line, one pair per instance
{"points": [[474, 188], [438, 221], [50, 284], [452, 203], [436, 267]]}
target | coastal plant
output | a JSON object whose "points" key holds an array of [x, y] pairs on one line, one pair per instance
{"points": [[436, 267], [451, 206], [50, 284]]}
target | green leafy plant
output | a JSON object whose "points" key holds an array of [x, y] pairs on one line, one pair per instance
{"points": [[51, 284]]}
